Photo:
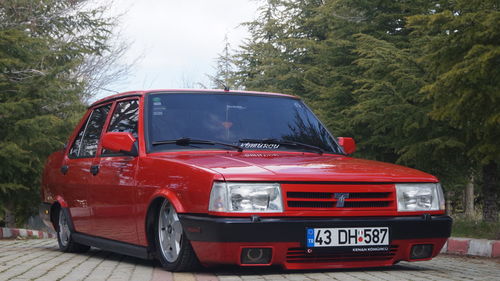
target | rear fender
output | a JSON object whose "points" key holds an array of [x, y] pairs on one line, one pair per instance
{"points": [[59, 205], [61, 201]]}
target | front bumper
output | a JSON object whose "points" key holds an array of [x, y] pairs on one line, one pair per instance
{"points": [[220, 240]]}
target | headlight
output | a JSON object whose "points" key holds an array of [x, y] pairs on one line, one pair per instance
{"points": [[245, 197], [420, 197]]}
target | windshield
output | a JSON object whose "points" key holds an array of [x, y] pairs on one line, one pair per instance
{"points": [[250, 121]]}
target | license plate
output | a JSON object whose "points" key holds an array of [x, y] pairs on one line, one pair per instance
{"points": [[343, 237]]}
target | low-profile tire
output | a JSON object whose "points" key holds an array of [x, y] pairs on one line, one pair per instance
{"points": [[173, 249], [64, 230]]}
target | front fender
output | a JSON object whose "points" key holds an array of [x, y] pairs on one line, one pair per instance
{"points": [[170, 196]]}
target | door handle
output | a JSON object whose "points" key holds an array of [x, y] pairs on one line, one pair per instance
{"points": [[64, 169], [94, 169]]}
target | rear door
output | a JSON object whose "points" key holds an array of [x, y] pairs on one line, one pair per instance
{"points": [[113, 190], [77, 168]]}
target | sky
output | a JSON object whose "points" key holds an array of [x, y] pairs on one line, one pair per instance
{"points": [[177, 41]]}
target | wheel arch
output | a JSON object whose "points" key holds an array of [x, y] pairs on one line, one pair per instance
{"points": [[186, 259], [55, 208], [154, 207], [61, 201]]}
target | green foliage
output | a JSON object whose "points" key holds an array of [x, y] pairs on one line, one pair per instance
{"points": [[462, 54], [355, 64], [43, 44], [415, 82], [475, 229]]}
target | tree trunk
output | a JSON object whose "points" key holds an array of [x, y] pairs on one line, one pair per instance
{"points": [[10, 217], [469, 199], [490, 192], [449, 195]]}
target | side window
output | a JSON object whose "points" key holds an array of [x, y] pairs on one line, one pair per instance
{"points": [[73, 151], [85, 145], [125, 119]]}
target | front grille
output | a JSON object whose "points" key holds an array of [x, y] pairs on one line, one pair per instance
{"points": [[299, 255], [310, 195], [327, 195], [358, 197], [326, 204], [366, 204], [310, 204]]}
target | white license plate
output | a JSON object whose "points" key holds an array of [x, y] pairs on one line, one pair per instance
{"points": [[355, 236]]}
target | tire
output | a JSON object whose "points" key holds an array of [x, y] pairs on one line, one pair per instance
{"points": [[64, 230], [173, 249]]}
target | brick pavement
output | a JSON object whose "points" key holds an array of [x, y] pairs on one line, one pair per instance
{"points": [[41, 260]]}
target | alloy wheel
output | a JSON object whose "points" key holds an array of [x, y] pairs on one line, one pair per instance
{"points": [[64, 232], [170, 232]]}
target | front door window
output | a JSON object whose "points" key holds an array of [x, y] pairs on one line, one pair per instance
{"points": [[85, 144]]}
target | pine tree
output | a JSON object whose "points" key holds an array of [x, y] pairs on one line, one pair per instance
{"points": [[43, 44], [224, 69], [270, 60], [416, 82], [356, 64], [461, 45]]}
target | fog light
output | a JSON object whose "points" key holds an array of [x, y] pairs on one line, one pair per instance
{"points": [[421, 251], [256, 255]]}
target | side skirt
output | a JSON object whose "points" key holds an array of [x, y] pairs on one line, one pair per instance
{"points": [[112, 245]]}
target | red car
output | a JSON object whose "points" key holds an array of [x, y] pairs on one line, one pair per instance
{"points": [[230, 177]]}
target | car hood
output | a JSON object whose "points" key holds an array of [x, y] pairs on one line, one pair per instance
{"points": [[247, 166]]}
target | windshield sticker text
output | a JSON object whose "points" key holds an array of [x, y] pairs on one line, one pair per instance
{"points": [[250, 145]]}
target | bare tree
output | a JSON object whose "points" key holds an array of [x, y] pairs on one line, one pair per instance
{"points": [[103, 61], [100, 71]]}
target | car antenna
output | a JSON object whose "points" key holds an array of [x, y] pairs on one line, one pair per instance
{"points": [[223, 84]]}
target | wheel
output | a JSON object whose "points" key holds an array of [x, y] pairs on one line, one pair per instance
{"points": [[66, 243], [173, 249]]}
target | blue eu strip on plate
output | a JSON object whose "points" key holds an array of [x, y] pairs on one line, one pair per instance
{"points": [[310, 237]]}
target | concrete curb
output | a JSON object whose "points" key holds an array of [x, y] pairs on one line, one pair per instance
{"points": [[6, 232], [472, 247]]}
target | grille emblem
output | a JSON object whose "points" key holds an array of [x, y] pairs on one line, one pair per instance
{"points": [[340, 199]]}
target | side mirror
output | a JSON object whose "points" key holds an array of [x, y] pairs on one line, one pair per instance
{"points": [[347, 144], [120, 142]]}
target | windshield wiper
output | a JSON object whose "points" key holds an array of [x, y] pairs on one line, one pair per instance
{"points": [[188, 141], [286, 143]]}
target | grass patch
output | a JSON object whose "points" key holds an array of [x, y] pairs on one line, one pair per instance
{"points": [[475, 229]]}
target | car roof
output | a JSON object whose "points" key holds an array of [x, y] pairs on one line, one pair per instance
{"points": [[187, 91]]}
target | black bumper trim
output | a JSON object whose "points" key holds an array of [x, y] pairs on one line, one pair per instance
{"points": [[223, 229]]}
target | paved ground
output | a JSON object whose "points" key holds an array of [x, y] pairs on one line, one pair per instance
{"points": [[40, 260]]}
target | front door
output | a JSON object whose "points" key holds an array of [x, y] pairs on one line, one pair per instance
{"points": [[113, 190]]}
